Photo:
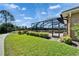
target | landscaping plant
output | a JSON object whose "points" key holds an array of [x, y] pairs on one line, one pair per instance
{"points": [[75, 28], [66, 39], [39, 34]]}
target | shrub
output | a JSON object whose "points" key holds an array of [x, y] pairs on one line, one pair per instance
{"points": [[44, 35], [66, 39], [24, 31], [39, 34], [6, 27], [28, 33], [75, 28], [19, 32]]}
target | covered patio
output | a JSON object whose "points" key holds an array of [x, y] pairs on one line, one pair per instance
{"points": [[71, 17], [55, 26]]}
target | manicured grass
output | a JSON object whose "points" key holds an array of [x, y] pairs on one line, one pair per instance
{"points": [[26, 45]]}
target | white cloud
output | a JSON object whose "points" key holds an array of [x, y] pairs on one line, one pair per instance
{"points": [[12, 6], [28, 24], [54, 7], [43, 12], [17, 21], [23, 24], [28, 18], [23, 8], [22, 14]]}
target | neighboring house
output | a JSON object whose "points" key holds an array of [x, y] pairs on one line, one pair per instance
{"points": [[71, 17]]}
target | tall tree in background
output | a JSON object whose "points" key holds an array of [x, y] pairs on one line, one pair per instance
{"points": [[7, 17]]}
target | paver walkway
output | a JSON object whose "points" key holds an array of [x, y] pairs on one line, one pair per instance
{"points": [[76, 44], [2, 37], [55, 34]]}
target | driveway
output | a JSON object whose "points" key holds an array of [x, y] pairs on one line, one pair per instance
{"points": [[2, 37]]}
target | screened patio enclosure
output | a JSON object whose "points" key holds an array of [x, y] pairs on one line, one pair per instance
{"points": [[53, 25]]}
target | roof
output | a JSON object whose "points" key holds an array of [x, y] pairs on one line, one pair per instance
{"points": [[50, 19], [71, 9]]}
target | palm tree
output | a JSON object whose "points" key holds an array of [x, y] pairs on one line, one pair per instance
{"points": [[7, 16]]}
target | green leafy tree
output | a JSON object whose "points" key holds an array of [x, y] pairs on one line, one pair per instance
{"points": [[7, 17]]}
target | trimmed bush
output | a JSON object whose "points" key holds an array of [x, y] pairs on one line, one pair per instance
{"points": [[66, 39], [22, 32], [39, 34], [19, 32]]}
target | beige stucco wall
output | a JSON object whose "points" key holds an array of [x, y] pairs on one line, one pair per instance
{"points": [[75, 18]]}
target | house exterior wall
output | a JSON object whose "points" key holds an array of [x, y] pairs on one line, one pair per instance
{"points": [[75, 18]]}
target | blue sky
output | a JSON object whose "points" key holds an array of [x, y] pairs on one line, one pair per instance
{"points": [[27, 13]]}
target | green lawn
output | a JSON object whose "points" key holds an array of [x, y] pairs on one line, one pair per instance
{"points": [[26, 45]]}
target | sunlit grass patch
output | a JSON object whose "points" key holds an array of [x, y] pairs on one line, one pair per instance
{"points": [[27, 45]]}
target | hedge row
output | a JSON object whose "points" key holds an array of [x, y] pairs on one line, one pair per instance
{"points": [[39, 34], [22, 32]]}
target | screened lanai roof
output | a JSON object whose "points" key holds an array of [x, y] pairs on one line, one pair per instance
{"points": [[50, 19], [72, 11], [49, 22]]}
